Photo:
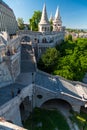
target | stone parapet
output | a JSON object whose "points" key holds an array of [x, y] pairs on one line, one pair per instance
{"points": [[4, 125]]}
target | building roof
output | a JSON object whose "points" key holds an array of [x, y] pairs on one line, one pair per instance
{"points": [[57, 14], [5, 5]]}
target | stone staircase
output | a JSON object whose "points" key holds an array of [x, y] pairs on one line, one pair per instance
{"points": [[27, 59]]}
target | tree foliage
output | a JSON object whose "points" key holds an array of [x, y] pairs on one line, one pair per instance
{"points": [[51, 25], [20, 22], [49, 59], [35, 20], [69, 37], [72, 62]]}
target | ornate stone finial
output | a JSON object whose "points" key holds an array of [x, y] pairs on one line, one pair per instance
{"points": [[44, 18]]}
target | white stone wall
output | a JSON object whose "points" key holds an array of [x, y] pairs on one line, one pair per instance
{"points": [[5, 75], [11, 111], [10, 65], [4, 125], [15, 65]]}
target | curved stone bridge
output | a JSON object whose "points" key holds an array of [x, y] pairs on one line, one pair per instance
{"points": [[53, 87]]}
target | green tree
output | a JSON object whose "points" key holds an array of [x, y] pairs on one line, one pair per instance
{"points": [[51, 25], [35, 20], [72, 61], [69, 37], [50, 59], [20, 23]]}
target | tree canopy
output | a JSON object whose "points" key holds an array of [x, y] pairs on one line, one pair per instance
{"points": [[49, 59], [72, 62], [20, 22], [51, 25], [35, 20]]}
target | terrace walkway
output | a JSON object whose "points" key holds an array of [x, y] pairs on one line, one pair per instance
{"points": [[24, 79], [56, 84], [44, 80], [27, 59]]}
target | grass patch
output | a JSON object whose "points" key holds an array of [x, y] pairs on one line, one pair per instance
{"points": [[49, 120], [79, 119]]}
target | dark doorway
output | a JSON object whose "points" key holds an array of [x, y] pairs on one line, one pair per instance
{"points": [[25, 108]]}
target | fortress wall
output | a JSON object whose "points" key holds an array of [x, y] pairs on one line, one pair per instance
{"points": [[11, 110], [5, 75]]}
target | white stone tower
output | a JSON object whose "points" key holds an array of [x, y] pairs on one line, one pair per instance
{"points": [[44, 25], [57, 23]]}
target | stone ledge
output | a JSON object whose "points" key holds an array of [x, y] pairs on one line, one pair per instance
{"points": [[4, 125]]}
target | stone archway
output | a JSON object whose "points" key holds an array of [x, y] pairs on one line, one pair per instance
{"points": [[44, 40], [25, 108], [25, 39], [58, 104]]}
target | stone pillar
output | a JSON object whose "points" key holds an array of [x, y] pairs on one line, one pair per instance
{"points": [[76, 108]]}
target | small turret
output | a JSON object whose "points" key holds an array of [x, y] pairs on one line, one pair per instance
{"points": [[44, 25], [57, 15], [57, 23]]}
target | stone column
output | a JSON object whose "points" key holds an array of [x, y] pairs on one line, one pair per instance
{"points": [[76, 108]]}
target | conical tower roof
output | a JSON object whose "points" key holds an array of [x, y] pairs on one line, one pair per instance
{"points": [[44, 18], [57, 15]]}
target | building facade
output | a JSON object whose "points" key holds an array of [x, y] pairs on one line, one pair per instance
{"points": [[45, 37], [42, 84], [7, 19]]}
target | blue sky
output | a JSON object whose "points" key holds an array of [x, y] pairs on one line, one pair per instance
{"points": [[73, 12]]}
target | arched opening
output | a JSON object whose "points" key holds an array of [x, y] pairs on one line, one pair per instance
{"points": [[36, 40], [44, 40], [25, 108], [25, 39], [57, 104]]}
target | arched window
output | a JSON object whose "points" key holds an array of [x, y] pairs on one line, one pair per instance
{"points": [[45, 29]]}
